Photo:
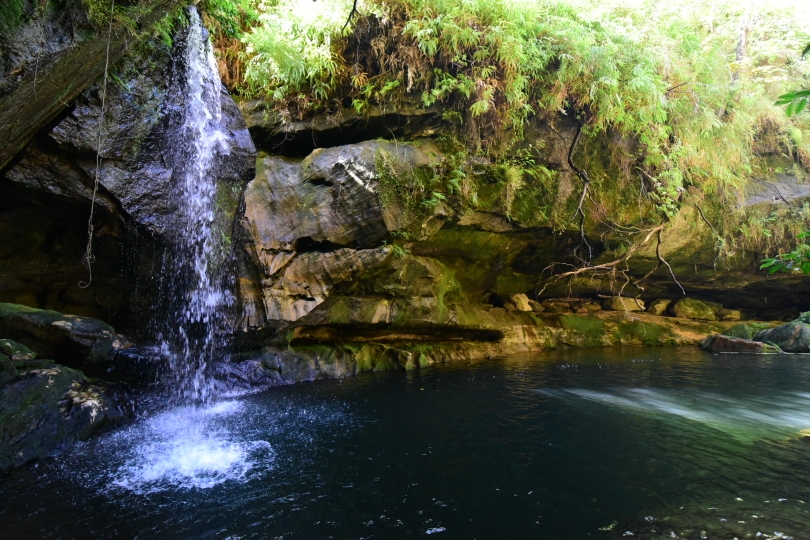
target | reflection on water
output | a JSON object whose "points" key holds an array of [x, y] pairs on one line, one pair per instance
{"points": [[582, 444], [745, 418]]}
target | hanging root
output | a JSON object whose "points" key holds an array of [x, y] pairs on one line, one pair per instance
{"points": [[586, 182], [89, 258], [352, 13], [719, 241], [661, 260]]}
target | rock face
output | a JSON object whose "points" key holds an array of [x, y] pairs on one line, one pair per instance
{"points": [[45, 193], [328, 289], [50, 407], [47, 62], [299, 138]]}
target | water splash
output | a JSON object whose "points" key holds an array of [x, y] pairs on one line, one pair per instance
{"points": [[190, 342], [188, 448]]}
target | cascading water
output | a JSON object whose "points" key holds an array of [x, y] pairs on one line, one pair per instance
{"points": [[189, 342], [192, 446]]}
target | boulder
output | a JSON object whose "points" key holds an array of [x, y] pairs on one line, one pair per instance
{"points": [[620, 303], [658, 307], [791, 337], [78, 342], [588, 307], [728, 314], [43, 410], [741, 331], [521, 302], [536, 306], [728, 344], [689, 308]]}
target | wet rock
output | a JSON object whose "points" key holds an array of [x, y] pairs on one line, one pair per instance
{"points": [[689, 308], [791, 337], [44, 410], [728, 344], [659, 307], [620, 303], [78, 342], [50, 60]]}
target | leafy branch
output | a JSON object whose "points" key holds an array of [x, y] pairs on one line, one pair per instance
{"points": [[797, 260]]}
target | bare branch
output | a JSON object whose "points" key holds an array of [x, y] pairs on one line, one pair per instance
{"points": [[352, 13]]}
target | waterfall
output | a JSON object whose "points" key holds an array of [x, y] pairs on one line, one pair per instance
{"points": [[190, 340]]}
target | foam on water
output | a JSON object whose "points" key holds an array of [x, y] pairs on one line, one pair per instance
{"points": [[744, 418], [188, 448]]}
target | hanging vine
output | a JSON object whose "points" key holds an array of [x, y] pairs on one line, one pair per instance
{"points": [[89, 258]]}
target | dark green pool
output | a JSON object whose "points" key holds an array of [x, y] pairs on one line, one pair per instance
{"points": [[660, 443]]}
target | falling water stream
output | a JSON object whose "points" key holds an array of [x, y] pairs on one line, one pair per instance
{"points": [[191, 445], [189, 338]]}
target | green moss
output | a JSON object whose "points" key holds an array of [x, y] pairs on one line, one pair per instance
{"points": [[644, 333], [591, 329], [11, 15]]}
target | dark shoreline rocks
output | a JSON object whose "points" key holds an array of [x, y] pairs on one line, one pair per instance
{"points": [[45, 406], [792, 337]]}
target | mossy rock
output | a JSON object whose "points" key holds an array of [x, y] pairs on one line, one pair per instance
{"points": [[689, 308], [42, 410], [16, 351], [791, 337], [741, 331], [78, 342], [659, 307]]}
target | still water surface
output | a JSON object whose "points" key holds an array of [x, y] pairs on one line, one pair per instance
{"points": [[660, 443]]}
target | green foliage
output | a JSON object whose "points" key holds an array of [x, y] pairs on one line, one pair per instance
{"points": [[796, 101], [797, 260], [662, 74], [229, 17], [11, 15]]}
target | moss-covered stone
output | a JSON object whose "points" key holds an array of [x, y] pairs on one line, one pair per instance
{"points": [[689, 308], [16, 351], [791, 337]]}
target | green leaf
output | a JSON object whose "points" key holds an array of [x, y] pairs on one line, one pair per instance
{"points": [[800, 105], [806, 50]]}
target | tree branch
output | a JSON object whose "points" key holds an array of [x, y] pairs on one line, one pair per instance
{"points": [[352, 13]]}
